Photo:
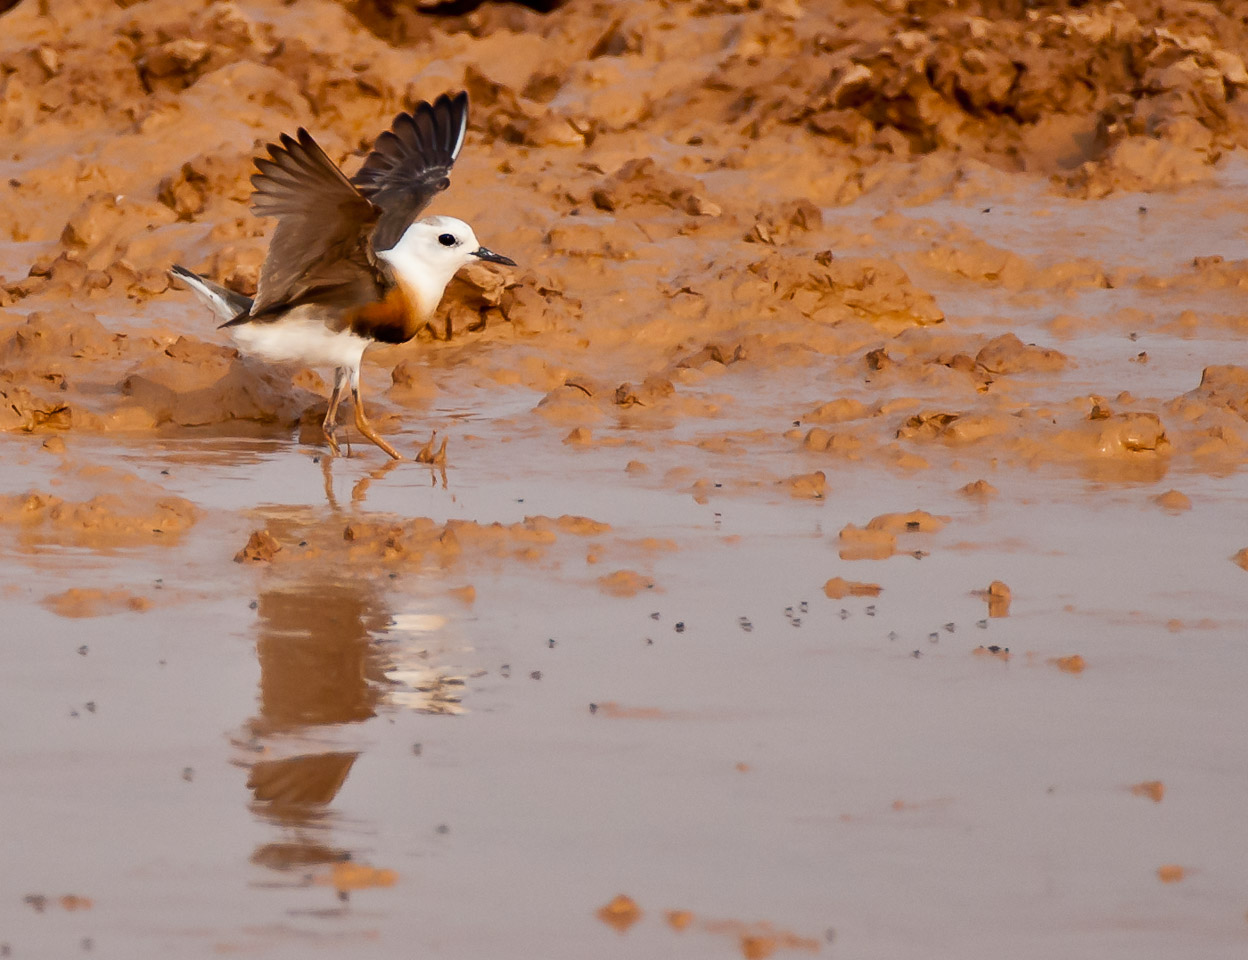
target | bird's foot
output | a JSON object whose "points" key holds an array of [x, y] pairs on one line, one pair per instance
{"points": [[428, 455]]}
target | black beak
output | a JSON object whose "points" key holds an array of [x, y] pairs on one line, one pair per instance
{"points": [[486, 254]]}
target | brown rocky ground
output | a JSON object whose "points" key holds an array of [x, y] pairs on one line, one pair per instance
{"points": [[841, 332]]}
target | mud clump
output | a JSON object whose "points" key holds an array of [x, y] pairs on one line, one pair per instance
{"points": [[1074, 663], [1007, 354], [103, 522], [807, 486], [998, 597], [1224, 386], [1173, 501], [979, 490], [858, 543], [194, 383], [1112, 97], [916, 521], [838, 588], [641, 181], [624, 583], [79, 602], [380, 543], [621, 913], [261, 547]]}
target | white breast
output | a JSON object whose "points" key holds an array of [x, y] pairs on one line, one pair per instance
{"points": [[300, 338]]}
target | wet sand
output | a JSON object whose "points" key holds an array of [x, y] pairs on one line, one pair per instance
{"points": [[838, 547]]}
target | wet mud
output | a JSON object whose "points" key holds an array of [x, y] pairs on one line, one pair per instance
{"points": [[826, 541]]}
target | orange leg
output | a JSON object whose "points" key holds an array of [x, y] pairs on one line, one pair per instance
{"points": [[331, 415], [366, 428]]}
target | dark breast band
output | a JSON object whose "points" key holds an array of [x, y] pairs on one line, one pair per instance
{"points": [[385, 321]]}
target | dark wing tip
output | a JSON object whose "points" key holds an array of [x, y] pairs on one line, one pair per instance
{"points": [[427, 138], [284, 144], [411, 162]]}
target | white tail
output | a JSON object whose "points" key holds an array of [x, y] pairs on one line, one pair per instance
{"points": [[226, 304]]}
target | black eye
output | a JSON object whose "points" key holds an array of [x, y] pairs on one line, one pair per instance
{"points": [[447, 240]]}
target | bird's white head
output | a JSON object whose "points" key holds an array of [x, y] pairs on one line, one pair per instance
{"points": [[429, 254]]}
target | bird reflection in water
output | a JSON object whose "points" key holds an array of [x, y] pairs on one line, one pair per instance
{"points": [[359, 490], [328, 658]]}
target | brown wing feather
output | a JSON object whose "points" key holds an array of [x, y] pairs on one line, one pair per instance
{"points": [[411, 163], [323, 224]]}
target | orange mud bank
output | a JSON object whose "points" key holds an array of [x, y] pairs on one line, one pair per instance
{"points": [[838, 545]]}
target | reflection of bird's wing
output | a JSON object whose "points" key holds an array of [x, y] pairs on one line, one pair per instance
{"points": [[411, 163], [322, 225]]}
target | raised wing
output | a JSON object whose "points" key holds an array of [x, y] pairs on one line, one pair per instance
{"points": [[323, 224], [411, 163]]}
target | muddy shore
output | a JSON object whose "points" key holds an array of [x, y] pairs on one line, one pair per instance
{"points": [[832, 537]]}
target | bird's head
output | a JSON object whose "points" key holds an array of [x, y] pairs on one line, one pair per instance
{"points": [[434, 248]]}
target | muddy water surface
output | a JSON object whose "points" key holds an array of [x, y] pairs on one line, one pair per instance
{"points": [[839, 546]]}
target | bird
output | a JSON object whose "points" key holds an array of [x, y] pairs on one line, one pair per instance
{"points": [[349, 263]]}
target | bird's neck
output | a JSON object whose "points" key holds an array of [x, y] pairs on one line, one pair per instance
{"points": [[421, 286]]}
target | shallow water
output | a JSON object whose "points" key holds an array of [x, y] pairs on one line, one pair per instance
{"points": [[600, 651], [828, 770]]}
